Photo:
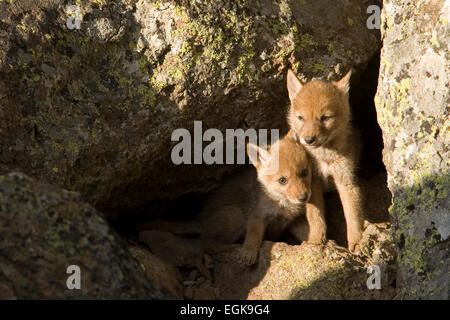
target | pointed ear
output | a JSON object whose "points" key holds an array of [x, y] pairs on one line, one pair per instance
{"points": [[258, 156], [294, 85], [344, 84]]}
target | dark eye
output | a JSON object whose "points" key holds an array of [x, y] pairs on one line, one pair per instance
{"points": [[282, 180], [300, 118], [324, 118], [304, 173]]}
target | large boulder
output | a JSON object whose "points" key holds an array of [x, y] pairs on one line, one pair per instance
{"points": [[312, 272], [44, 230], [93, 109], [413, 111]]}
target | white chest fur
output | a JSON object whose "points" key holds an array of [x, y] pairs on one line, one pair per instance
{"points": [[327, 163]]}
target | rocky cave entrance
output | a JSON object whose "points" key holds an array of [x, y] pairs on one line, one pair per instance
{"points": [[191, 274]]}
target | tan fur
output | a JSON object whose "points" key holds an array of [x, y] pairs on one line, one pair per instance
{"points": [[325, 116], [255, 205], [278, 205]]}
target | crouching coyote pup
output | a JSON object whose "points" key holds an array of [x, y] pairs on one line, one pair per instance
{"points": [[260, 204], [271, 201], [319, 117]]}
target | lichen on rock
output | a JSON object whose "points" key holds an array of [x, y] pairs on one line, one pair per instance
{"points": [[44, 230], [412, 106], [93, 109]]}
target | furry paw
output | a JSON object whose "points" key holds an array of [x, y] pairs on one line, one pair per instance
{"points": [[316, 240], [312, 243], [354, 248], [247, 257]]}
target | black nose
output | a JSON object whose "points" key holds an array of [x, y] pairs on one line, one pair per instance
{"points": [[303, 197], [310, 139]]}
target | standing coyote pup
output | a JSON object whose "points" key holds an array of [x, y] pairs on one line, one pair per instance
{"points": [[282, 197], [319, 117]]}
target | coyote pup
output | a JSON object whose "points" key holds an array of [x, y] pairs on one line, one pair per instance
{"points": [[319, 117], [261, 203], [282, 196]]}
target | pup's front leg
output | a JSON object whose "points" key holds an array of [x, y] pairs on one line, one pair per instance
{"points": [[315, 214], [350, 195], [252, 241]]}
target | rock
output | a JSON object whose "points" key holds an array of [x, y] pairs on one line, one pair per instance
{"points": [[93, 109], [161, 273], [44, 230], [412, 104], [377, 244], [309, 272]]}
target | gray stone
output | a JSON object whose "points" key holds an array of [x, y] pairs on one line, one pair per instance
{"points": [[44, 230], [413, 112]]}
